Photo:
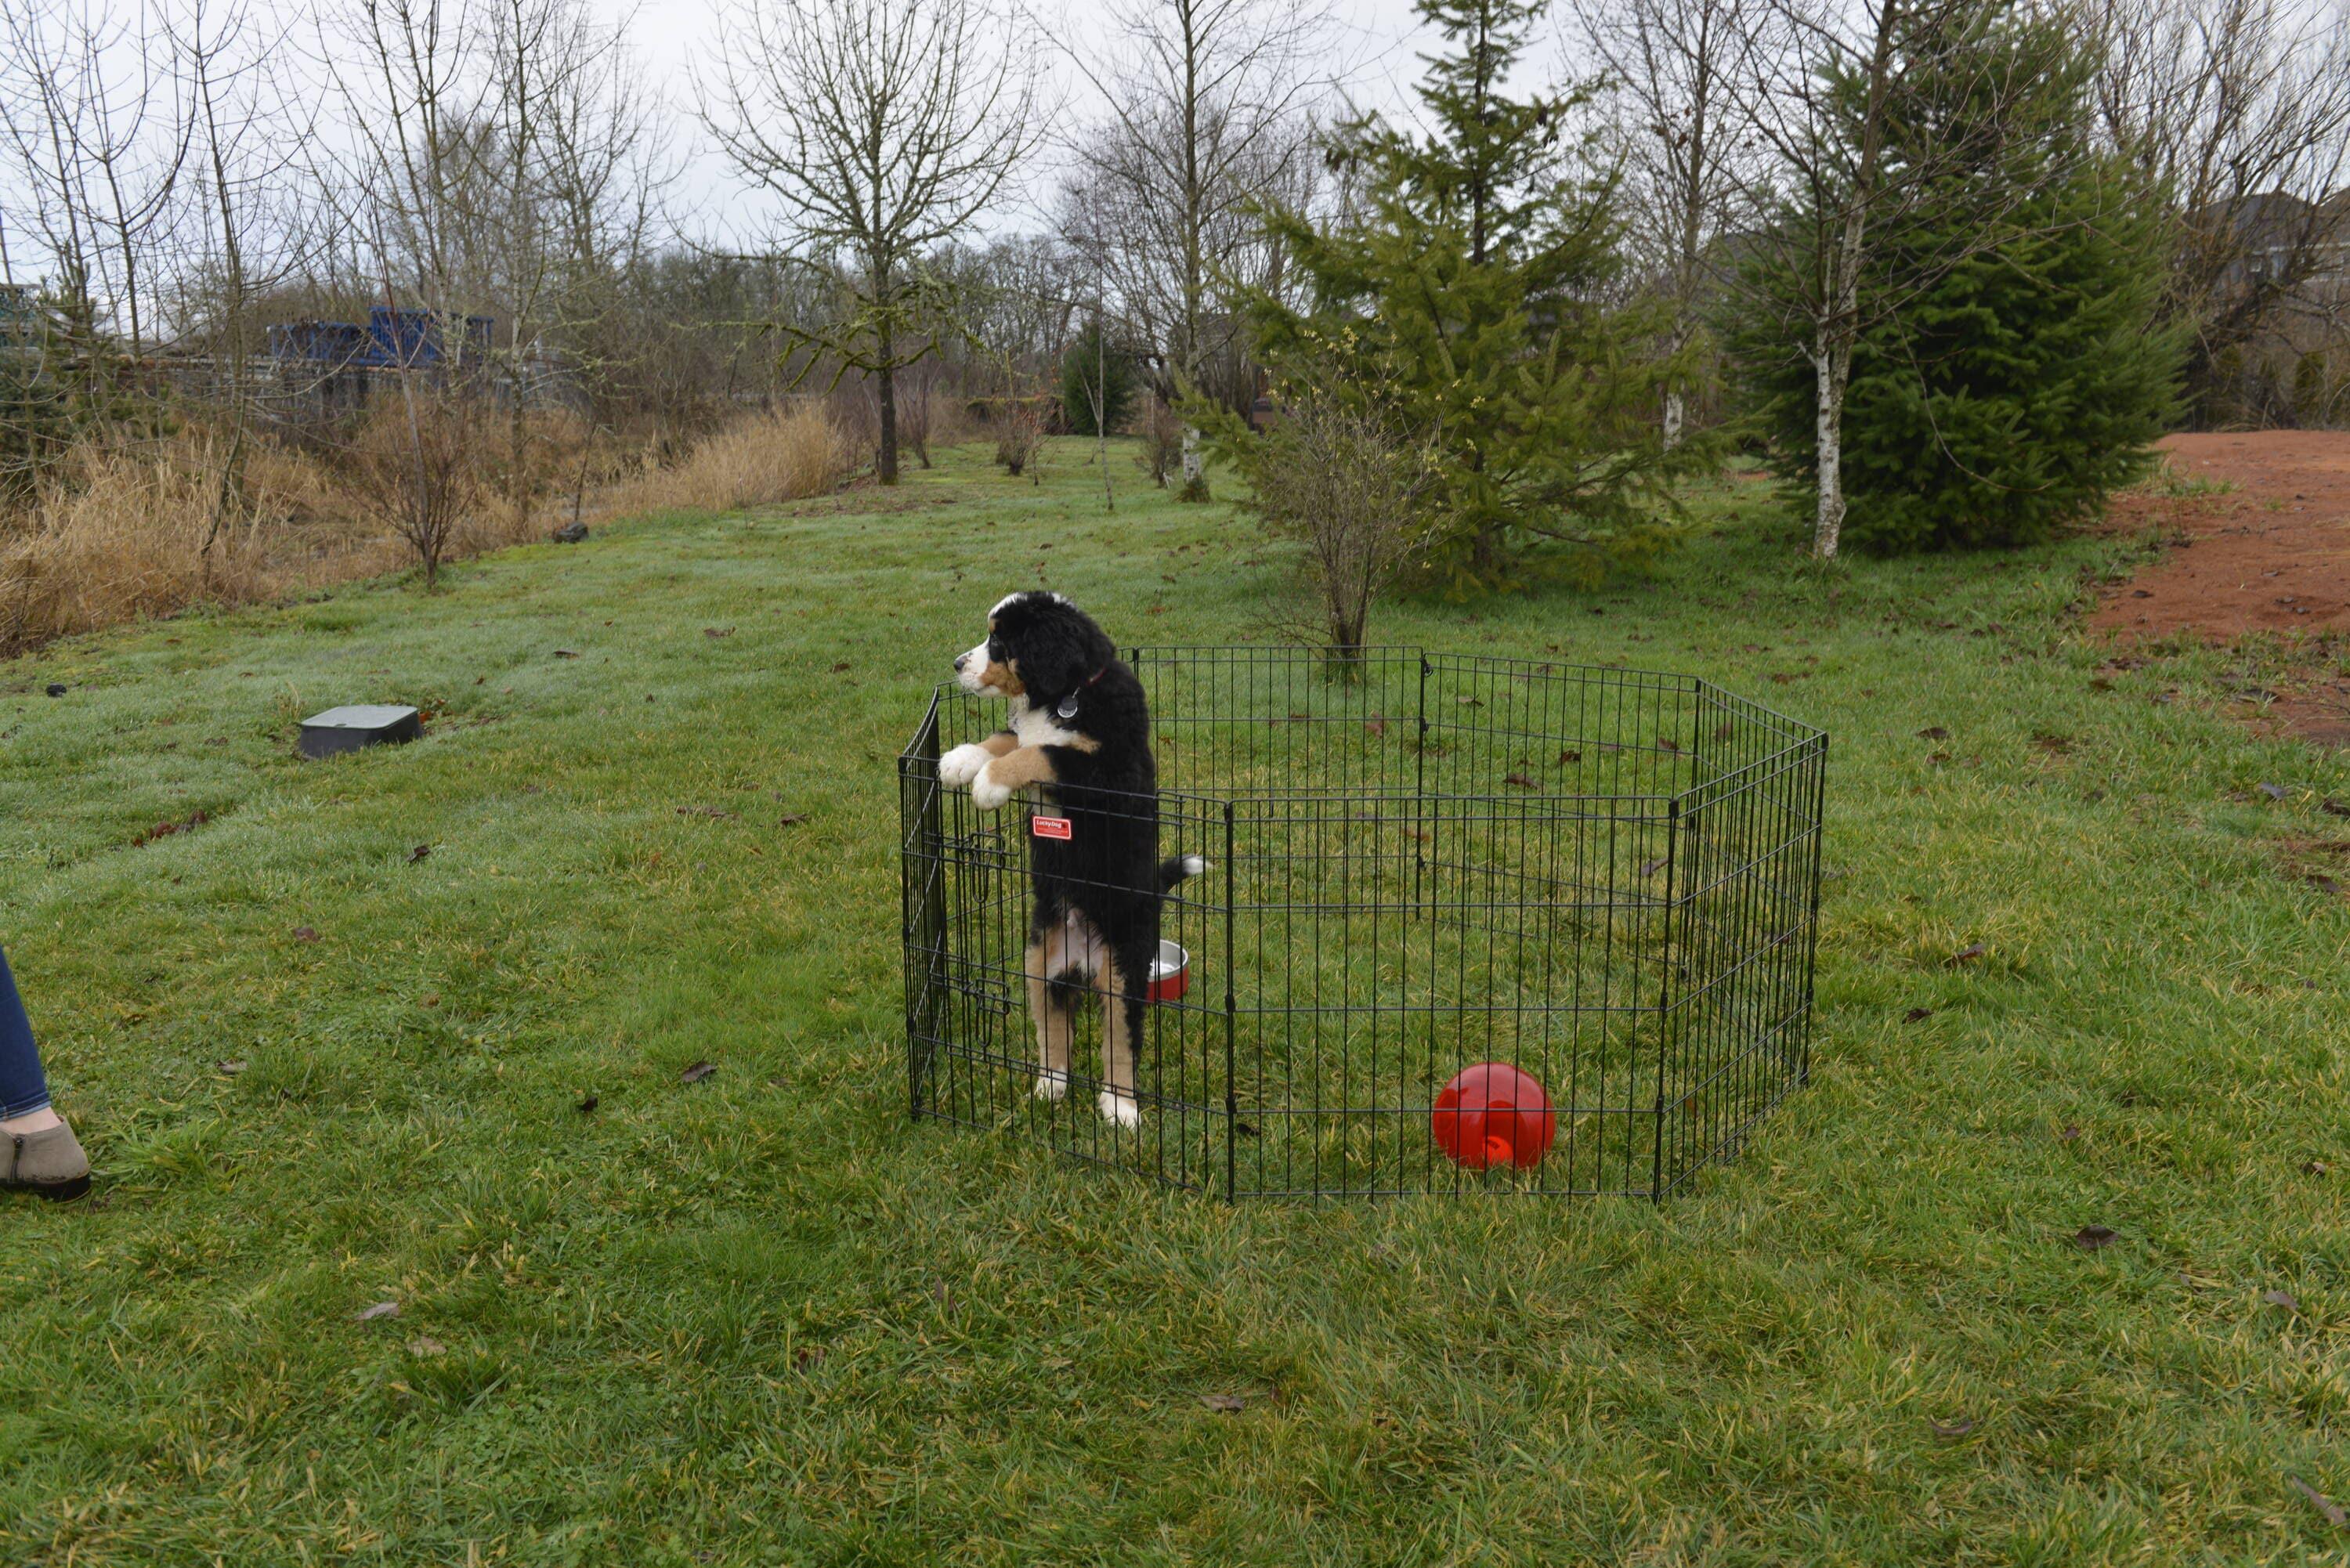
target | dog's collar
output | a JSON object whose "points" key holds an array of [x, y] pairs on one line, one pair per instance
{"points": [[1066, 708]]}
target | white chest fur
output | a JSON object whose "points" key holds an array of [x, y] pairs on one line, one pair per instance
{"points": [[1039, 727]]}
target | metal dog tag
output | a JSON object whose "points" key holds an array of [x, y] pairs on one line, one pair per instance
{"points": [[1067, 706]]}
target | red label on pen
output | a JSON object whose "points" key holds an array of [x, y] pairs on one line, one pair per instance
{"points": [[1049, 826]]}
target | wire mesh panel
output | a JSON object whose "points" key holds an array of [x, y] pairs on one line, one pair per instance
{"points": [[1605, 879]]}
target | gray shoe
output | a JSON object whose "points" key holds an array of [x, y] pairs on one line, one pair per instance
{"points": [[49, 1162]]}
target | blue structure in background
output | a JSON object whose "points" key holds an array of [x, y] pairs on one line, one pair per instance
{"points": [[391, 339]]}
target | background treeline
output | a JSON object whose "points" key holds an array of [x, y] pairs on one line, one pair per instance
{"points": [[1946, 265]]}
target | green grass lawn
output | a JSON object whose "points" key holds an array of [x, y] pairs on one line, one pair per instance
{"points": [[763, 1317]]}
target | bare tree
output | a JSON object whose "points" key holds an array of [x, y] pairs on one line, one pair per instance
{"points": [[1209, 108], [100, 132], [2241, 110], [249, 236], [1673, 69], [882, 128]]}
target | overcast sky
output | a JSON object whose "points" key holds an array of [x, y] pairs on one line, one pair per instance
{"points": [[1376, 40]]}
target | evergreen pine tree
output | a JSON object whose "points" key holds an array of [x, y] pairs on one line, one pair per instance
{"points": [[2009, 374], [1464, 294], [1093, 371]]}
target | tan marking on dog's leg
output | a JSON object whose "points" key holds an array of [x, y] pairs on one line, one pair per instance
{"points": [[1008, 774], [1052, 1026], [1117, 1101], [1002, 743]]}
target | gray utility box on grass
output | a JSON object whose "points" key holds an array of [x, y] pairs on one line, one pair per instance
{"points": [[347, 729]]}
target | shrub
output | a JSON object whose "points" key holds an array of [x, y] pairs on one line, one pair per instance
{"points": [[1019, 433], [1335, 479], [418, 469], [1162, 443]]}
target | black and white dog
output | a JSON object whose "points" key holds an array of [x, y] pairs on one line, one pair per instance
{"points": [[1079, 740]]}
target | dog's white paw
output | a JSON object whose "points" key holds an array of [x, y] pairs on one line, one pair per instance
{"points": [[988, 792], [1120, 1110], [961, 765], [1051, 1086]]}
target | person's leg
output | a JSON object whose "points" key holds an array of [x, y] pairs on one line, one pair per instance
{"points": [[24, 1089], [38, 1153]]}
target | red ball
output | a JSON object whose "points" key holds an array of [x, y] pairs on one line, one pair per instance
{"points": [[1491, 1114]]}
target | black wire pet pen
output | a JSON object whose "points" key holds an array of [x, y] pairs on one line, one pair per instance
{"points": [[1604, 879]]}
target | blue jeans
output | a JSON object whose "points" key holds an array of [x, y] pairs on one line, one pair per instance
{"points": [[23, 1089]]}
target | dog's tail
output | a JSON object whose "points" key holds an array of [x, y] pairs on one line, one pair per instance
{"points": [[1174, 870]]}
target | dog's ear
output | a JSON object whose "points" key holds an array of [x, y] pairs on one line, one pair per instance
{"points": [[1061, 650]]}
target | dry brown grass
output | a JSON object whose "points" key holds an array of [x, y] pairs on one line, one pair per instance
{"points": [[783, 455], [120, 535]]}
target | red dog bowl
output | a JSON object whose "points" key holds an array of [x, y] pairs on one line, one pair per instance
{"points": [[1491, 1114], [1170, 973]]}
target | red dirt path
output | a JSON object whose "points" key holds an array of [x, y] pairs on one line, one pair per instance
{"points": [[2270, 555]]}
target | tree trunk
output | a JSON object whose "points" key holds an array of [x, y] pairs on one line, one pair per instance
{"points": [[518, 445], [885, 465], [1193, 464], [1672, 419], [1828, 528]]}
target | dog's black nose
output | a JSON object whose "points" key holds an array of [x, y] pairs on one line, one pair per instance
{"points": [[961, 659]]}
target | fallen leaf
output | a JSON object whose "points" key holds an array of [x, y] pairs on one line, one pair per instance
{"points": [[1224, 1403], [838, 667], [1653, 867], [424, 1347], [1470, 702], [1918, 1016], [806, 1355], [1521, 779], [57, 688], [419, 853], [431, 999], [304, 934], [717, 631], [2273, 790], [230, 1069], [1939, 759], [1568, 759], [586, 1103], [698, 1070], [1933, 733], [1665, 746], [2325, 1504], [2093, 1238], [2068, 1134], [1375, 727], [1968, 954], [711, 812], [2333, 808], [791, 819], [2284, 1299], [2099, 683], [1951, 1430], [2314, 1167], [381, 1310], [567, 653]]}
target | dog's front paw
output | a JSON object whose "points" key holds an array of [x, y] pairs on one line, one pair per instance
{"points": [[961, 765], [1051, 1086], [988, 792], [1120, 1110]]}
